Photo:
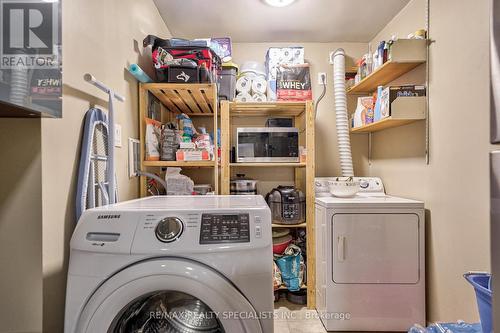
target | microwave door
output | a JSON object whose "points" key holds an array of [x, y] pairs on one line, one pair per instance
{"points": [[283, 145], [252, 145]]}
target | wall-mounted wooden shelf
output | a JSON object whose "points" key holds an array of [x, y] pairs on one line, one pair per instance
{"points": [[180, 164], [269, 165], [404, 110], [190, 98], [382, 125], [383, 75], [406, 55]]}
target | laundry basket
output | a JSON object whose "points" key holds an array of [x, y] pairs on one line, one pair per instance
{"points": [[482, 286]]}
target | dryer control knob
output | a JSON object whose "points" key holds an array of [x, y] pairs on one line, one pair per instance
{"points": [[169, 229], [364, 184]]}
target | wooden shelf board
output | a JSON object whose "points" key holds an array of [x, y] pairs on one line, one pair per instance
{"points": [[283, 287], [386, 73], [181, 164], [301, 225], [189, 98], [280, 108], [269, 165], [382, 125]]}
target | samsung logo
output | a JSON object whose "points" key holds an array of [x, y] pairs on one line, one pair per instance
{"points": [[108, 217]]}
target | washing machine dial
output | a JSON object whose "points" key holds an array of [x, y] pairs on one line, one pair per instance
{"points": [[364, 184], [169, 229]]}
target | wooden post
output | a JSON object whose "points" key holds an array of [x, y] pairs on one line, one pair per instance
{"points": [[225, 147], [143, 107], [310, 207], [215, 115]]}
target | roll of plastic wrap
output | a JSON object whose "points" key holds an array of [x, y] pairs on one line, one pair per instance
{"points": [[259, 85], [244, 84], [243, 97], [139, 74], [259, 97]]}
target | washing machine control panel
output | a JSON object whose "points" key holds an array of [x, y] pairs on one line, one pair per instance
{"points": [[224, 228], [169, 229]]}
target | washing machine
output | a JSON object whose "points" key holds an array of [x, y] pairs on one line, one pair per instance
{"points": [[370, 261], [172, 264]]}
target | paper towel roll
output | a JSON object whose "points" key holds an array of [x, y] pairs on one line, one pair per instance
{"points": [[243, 97], [244, 84], [259, 85], [259, 97]]}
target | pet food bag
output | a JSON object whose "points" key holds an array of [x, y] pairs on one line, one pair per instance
{"points": [[291, 265]]}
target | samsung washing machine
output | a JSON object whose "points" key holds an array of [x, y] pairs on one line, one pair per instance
{"points": [[370, 261], [172, 264]]}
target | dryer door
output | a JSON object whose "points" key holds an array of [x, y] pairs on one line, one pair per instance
{"points": [[168, 295], [375, 248]]}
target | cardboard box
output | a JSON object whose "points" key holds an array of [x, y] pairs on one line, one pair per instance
{"points": [[390, 94]]}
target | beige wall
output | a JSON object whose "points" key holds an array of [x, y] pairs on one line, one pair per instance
{"points": [[100, 37], [455, 185], [20, 226], [316, 54]]}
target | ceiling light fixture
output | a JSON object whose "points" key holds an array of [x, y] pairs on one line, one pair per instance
{"points": [[279, 3]]}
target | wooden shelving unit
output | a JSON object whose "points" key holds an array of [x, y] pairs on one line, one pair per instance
{"points": [[180, 164], [303, 115], [188, 98], [191, 99], [283, 287]]}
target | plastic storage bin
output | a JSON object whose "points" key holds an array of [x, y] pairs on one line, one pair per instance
{"points": [[482, 286], [227, 81]]}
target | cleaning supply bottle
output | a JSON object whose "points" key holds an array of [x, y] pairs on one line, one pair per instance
{"points": [[377, 114]]}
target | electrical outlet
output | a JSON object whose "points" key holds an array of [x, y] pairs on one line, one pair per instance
{"points": [[133, 157], [118, 135], [320, 78]]}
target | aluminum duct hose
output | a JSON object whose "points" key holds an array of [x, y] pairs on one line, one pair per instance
{"points": [[342, 121], [19, 86]]}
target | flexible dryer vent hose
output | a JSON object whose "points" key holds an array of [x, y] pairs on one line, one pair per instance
{"points": [[342, 121]]}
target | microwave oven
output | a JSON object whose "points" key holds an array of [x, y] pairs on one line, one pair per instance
{"points": [[267, 144]]}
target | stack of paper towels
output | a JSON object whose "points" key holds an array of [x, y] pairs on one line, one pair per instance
{"points": [[251, 85]]}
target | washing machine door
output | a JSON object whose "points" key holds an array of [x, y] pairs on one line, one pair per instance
{"points": [[168, 295]]}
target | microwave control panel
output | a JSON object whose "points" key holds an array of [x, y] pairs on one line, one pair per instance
{"points": [[224, 228]]}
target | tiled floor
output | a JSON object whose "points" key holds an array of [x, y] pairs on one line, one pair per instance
{"points": [[291, 318]]}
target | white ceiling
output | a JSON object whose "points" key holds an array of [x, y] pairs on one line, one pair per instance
{"points": [[254, 21]]}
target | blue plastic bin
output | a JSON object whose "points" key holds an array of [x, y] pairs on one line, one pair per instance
{"points": [[482, 286]]}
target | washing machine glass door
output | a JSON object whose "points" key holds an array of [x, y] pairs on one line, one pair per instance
{"points": [[168, 296]]}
